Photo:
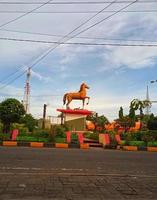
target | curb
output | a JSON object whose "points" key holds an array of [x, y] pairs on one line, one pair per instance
{"points": [[81, 146], [138, 148], [152, 149], [36, 144], [61, 145], [84, 146], [9, 143], [26, 144], [42, 145], [130, 148]]}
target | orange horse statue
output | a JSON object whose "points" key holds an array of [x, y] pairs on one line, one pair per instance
{"points": [[80, 95]]}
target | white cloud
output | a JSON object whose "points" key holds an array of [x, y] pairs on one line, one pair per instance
{"points": [[41, 77], [129, 57], [123, 25]]}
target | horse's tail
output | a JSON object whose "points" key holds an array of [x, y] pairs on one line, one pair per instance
{"points": [[64, 98]]}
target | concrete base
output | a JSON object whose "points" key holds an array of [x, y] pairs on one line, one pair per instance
{"points": [[75, 119]]}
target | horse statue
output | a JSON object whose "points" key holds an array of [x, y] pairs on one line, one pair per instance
{"points": [[80, 95]]}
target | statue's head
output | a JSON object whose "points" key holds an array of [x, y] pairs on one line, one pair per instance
{"points": [[84, 85]]}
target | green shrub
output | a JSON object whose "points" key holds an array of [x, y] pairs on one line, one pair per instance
{"points": [[60, 140], [149, 136], [112, 137], [60, 130], [1, 127], [91, 135], [29, 121], [152, 124], [74, 136], [43, 140], [31, 139], [123, 142], [51, 138], [39, 133], [152, 144], [132, 136], [137, 143], [21, 127], [5, 136], [27, 139]]}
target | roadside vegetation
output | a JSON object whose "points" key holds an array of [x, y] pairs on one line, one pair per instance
{"points": [[13, 117]]}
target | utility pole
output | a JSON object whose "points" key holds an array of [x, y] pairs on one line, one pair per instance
{"points": [[26, 98], [44, 116], [148, 108]]}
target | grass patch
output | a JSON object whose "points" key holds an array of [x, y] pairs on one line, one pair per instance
{"points": [[31, 139], [5, 136], [60, 140], [137, 143], [93, 136], [152, 144]]}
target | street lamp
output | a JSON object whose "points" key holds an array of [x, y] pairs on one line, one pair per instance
{"points": [[153, 81]]}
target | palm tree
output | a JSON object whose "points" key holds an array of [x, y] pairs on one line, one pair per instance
{"points": [[137, 104]]}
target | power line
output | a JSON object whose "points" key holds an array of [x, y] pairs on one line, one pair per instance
{"points": [[27, 13], [53, 48], [75, 2], [32, 96], [80, 43], [10, 75], [79, 12], [17, 18], [118, 11], [83, 37]]}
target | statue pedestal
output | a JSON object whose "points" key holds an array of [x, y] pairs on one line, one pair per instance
{"points": [[75, 119]]}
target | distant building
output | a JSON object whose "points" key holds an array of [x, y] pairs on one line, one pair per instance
{"points": [[51, 120]]}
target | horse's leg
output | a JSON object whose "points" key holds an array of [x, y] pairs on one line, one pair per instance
{"points": [[83, 100], [88, 100], [68, 102]]}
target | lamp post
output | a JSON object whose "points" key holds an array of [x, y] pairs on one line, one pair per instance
{"points": [[148, 99], [44, 116]]}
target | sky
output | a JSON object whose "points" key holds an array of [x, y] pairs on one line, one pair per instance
{"points": [[115, 74]]}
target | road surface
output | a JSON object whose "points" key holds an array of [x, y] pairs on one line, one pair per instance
{"points": [[75, 174]]}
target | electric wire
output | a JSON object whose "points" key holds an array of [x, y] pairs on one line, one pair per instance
{"points": [[78, 12], [32, 96], [13, 20], [79, 43], [75, 2], [27, 13], [83, 37], [108, 17], [51, 49]]}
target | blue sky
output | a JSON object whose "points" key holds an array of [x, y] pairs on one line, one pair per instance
{"points": [[115, 74]]}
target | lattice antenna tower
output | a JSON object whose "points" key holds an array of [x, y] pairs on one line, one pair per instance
{"points": [[26, 98], [148, 107]]}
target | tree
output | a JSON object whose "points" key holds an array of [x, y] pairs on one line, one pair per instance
{"points": [[132, 115], [152, 123], [29, 121], [126, 122], [121, 115], [137, 104], [11, 110]]}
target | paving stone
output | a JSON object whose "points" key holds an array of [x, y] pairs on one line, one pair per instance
{"points": [[84, 188]]}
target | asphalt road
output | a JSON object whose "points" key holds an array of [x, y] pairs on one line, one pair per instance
{"points": [[69, 174]]}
